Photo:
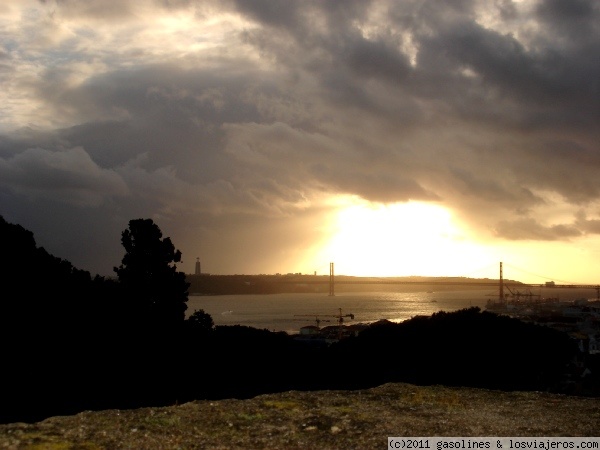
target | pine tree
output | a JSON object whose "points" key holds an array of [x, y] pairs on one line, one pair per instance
{"points": [[148, 273]]}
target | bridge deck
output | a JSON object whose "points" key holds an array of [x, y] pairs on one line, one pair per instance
{"points": [[446, 283]]}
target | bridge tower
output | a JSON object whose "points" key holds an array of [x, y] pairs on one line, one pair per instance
{"points": [[331, 280], [501, 290]]}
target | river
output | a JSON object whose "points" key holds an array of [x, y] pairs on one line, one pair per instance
{"points": [[290, 312]]}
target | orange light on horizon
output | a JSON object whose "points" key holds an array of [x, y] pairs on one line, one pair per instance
{"points": [[399, 239]]}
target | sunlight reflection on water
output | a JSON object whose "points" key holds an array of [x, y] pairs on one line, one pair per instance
{"points": [[280, 312]]}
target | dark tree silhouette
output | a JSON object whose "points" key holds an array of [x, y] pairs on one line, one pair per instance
{"points": [[200, 321], [128, 344], [153, 286]]}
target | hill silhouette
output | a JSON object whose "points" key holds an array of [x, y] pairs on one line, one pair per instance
{"points": [[73, 342]]}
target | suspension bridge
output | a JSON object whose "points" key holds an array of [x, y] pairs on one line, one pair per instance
{"points": [[501, 283]]}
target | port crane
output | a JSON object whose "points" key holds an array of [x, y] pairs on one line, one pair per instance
{"points": [[340, 318], [516, 295], [317, 320]]}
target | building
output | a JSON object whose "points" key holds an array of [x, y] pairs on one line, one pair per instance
{"points": [[197, 271]]}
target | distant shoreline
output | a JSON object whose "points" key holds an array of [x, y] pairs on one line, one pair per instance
{"points": [[206, 284]]}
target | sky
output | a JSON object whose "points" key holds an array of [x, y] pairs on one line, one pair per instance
{"points": [[393, 138]]}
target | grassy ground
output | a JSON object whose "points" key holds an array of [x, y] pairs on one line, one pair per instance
{"points": [[361, 419]]}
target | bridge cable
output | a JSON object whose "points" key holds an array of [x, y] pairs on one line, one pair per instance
{"points": [[538, 275]]}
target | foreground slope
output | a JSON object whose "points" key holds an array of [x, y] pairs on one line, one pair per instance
{"points": [[360, 419]]}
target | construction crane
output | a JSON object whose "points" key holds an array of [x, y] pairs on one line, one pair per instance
{"points": [[317, 320], [516, 295], [340, 319]]}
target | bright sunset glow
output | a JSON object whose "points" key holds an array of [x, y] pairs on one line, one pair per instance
{"points": [[425, 239], [399, 239]]}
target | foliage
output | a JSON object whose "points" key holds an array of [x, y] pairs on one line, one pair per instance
{"points": [[156, 290], [466, 347], [33, 276], [200, 321]]}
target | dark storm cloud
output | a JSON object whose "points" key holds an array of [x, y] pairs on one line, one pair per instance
{"points": [[278, 14], [507, 9], [530, 229], [70, 175], [386, 188], [569, 14], [94, 9], [171, 114], [586, 225], [511, 85], [370, 59], [568, 168], [493, 191], [489, 108]]}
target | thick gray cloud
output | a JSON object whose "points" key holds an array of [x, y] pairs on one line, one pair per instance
{"points": [[222, 119], [70, 175], [530, 229]]}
